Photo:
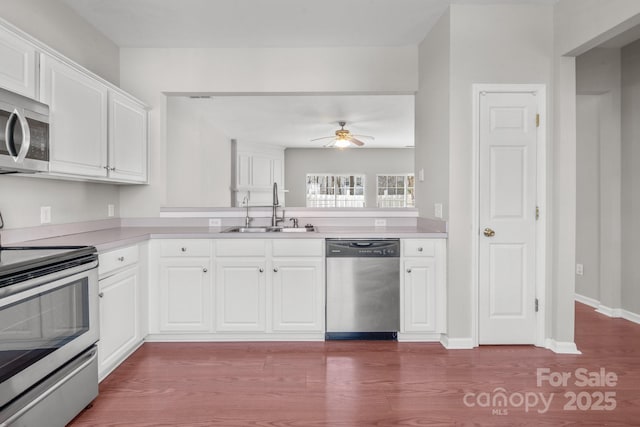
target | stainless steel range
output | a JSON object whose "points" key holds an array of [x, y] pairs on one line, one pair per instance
{"points": [[48, 331]]}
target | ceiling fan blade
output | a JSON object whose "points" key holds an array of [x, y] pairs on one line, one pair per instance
{"points": [[356, 141], [330, 144], [364, 137], [324, 137]]}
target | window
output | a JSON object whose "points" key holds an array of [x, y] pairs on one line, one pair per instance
{"points": [[396, 191], [335, 191]]}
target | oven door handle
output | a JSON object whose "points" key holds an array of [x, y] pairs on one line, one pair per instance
{"points": [[88, 359], [9, 294], [17, 116]]}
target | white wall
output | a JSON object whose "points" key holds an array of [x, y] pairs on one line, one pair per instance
{"points": [[489, 44], [150, 73], [598, 184], [432, 120], [21, 197], [298, 162], [199, 171], [631, 177]]}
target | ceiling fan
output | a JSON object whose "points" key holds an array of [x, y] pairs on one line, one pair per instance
{"points": [[344, 138]]}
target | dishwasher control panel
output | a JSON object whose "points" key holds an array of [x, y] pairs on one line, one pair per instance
{"points": [[387, 248]]}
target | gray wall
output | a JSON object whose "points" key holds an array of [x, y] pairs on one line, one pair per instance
{"points": [[631, 177], [432, 120], [198, 157], [55, 24], [298, 162], [598, 173]]}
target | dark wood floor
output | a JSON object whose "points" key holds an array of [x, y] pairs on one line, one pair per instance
{"points": [[370, 383]]}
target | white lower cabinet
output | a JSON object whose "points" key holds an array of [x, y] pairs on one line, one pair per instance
{"points": [[121, 309], [118, 318], [241, 295], [298, 294], [185, 295], [423, 297]]}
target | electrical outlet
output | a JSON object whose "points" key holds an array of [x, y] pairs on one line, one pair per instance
{"points": [[438, 210], [380, 222], [579, 269], [111, 210], [45, 214], [215, 222]]}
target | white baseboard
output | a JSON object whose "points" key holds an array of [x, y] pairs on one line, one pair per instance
{"points": [[630, 316], [419, 337], [561, 347], [456, 343], [608, 311], [591, 302]]}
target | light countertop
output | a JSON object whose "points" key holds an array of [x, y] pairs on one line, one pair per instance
{"points": [[112, 238]]}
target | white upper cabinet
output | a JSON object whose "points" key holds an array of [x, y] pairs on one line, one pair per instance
{"points": [[255, 169], [18, 60], [127, 139], [78, 114]]}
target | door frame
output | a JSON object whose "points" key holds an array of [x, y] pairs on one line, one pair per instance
{"points": [[541, 196]]}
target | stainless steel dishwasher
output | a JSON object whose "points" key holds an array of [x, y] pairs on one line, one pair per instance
{"points": [[363, 289]]}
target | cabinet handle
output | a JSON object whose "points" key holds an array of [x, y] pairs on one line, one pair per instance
{"points": [[261, 270], [112, 169], [204, 270], [101, 294], [420, 249], [183, 249], [275, 269], [408, 270], [121, 259], [105, 167]]}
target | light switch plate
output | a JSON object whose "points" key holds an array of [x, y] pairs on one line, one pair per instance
{"points": [[45, 214], [579, 269], [215, 222], [421, 175], [111, 210], [380, 222], [438, 210]]}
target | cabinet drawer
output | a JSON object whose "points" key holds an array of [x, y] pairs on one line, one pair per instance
{"points": [[116, 259], [241, 247], [418, 247], [297, 247], [185, 248]]}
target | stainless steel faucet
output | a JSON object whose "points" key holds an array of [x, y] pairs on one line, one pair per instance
{"points": [[274, 216], [247, 218]]}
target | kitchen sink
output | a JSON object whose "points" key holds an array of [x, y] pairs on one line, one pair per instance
{"points": [[270, 230]]}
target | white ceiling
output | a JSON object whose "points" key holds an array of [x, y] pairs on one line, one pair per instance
{"points": [[292, 121], [266, 23]]}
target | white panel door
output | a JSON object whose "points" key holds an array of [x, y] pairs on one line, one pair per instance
{"points": [[185, 295], [78, 114], [240, 295], [419, 295], [243, 172], [507, 194], [17, 64], [127, 139], [118, 318], [261, 171], [298, 289]]}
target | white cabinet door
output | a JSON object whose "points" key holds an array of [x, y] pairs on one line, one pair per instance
{"points": [[243, 170], [127, 139], [17, 64], [261, 171], [118, 318], [419, 295], [240, 295], [78, 114], [277, 173], [298, 294], [185, 295]]}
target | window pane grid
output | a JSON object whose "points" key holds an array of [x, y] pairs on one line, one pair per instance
{"points": [[395, 191], [340, 191]]}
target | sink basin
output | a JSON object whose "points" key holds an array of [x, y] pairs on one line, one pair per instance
{"points": [[250, 230], [269, 230]]}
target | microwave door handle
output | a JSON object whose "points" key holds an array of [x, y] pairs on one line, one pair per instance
{"points": [[19, 117]]}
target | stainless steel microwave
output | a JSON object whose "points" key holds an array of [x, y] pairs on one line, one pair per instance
{"points": [[24, 134]]}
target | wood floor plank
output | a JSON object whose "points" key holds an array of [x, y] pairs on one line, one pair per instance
{"points": [[365, 383]]}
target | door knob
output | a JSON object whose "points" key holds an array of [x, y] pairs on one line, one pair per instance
{"points": [[204, 270], [489, 232]]}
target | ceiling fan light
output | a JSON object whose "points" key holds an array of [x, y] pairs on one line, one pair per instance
{"points": [[342, 143]]}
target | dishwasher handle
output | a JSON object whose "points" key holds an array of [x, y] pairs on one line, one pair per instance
{"points": [[388, 248]]}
